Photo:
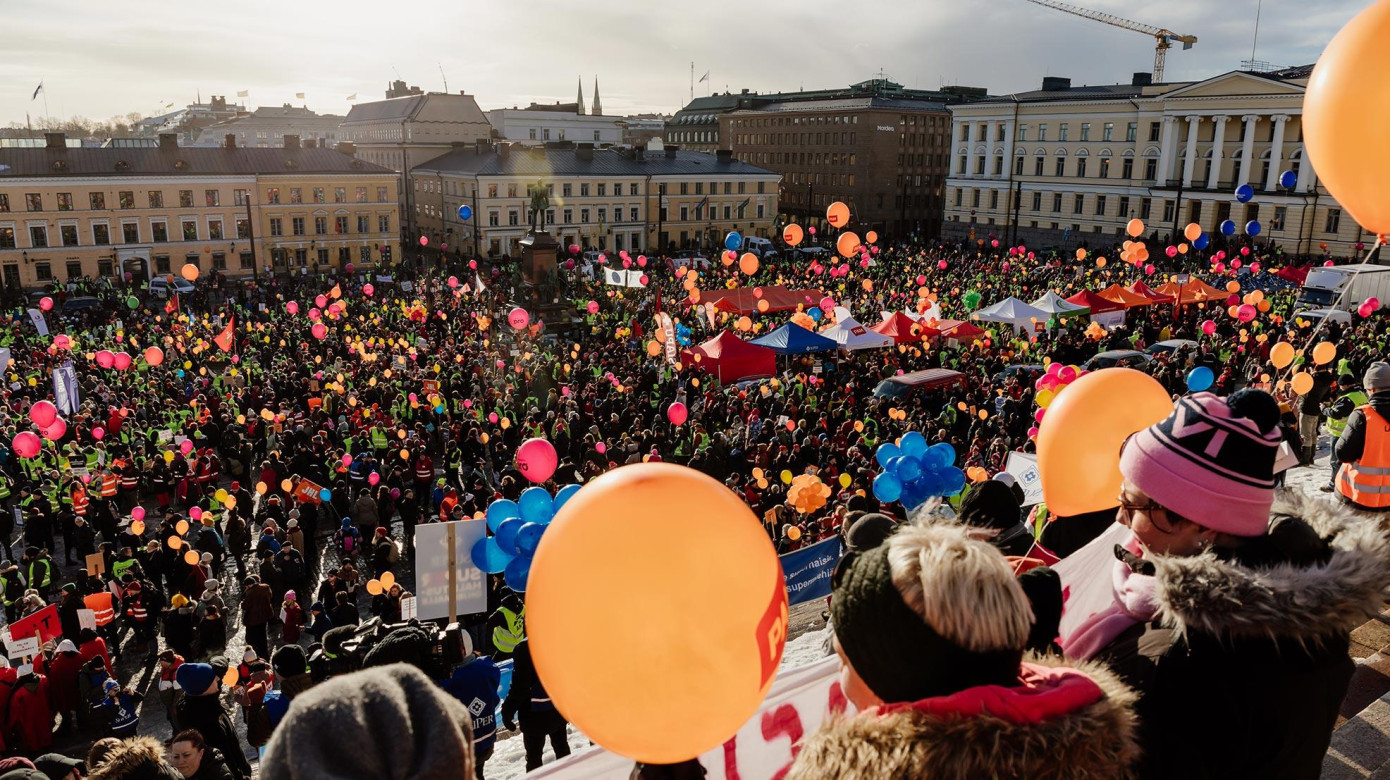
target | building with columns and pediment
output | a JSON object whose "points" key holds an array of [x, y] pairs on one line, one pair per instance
{"points": [[1065, 165]]}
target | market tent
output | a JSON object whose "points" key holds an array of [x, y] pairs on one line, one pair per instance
{"points": [[1012, 311], [1195, 291], [731, 359], [1059, 307], [1139, 288], [1095, 303], [851, 335], [1120, 295], [958, 331], [792, 339], [902, 329], [741, 300]]}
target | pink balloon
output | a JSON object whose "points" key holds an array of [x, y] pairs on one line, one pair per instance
{"points": [[106, 358], [468, 403], [195, 513], [642, 280], [46, 303], [1246, 312], [321, 301], [424, 240], [677, 413], [518, 319], [574, 249], [641, 261], [98, 433], [368, 289], [154, 356], [319, 330], [627, 263], [56, 430], [600, 448], [26, 444], [292, 307], [1374, 303], [941, 264], [137, 513], [314, 313], [827, 304], [373, 478], [472, 265], [1209, 327], [453, 281], [493, 418], [43, 413], [536, 459], [122, 361], [186, 446], [346, 460], [593, 307], [61, 341]]}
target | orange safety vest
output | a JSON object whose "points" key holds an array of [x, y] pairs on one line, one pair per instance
{"points": [[103, 605], [108, 485], [130, 480], [1366, 482], [79, 501]]}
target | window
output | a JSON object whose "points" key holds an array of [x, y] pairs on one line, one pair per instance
{"points": [[1168, 210], [340, 194], [632, 188], [65, 201], [321, 256], [565, 189], [360, 194], [1023, 132], [583, 216], [513, 217], [126, 199], [297, 226], [383, 224], [1100, 205], [1124, 206], [1037, 201], [43, 271], [603, 190], [492, 218], [1151, 170], [190, 229], [160, 231], [130, 233], [602, 215], [248, 261], [685, 214], [993, 200], [1078, 203], [380, 194], [161, 264], [1018, 167], [1145, 208], [185, 199], [318, 195], [1104, 168], [1132, 132], [340, 225], [1109, 132], [212, 198], [685, 188], [1038, 167], [633, 212], [4, 202], [68, 234], [156, 199], [1280, 214], [38, 236], [363, 224], [1060, 168], [74, 269], [1062, 131], [1155, 129], [320, 226], [959, 194], [101, 235], [344, 255], [1056, 203], [272, 195], [240, 197], [1081, 167], [1334, 221], [568, 216], [33, 201], [1085, 132], [533, 133], [980, 167], [219, 261]]}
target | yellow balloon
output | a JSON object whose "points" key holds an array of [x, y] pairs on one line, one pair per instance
{"points": [[786, 477], [845, 480]]}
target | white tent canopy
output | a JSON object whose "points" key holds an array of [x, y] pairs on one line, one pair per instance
{"points": [[1012, 311], [851, 335], [1056, 305]]}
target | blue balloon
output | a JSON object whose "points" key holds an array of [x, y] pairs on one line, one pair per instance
{"points": [[914, 443], [489, 557], [326, 494], [887, 488], [908, 468], [180, 373], [886, 452], [953, 481], [1288, 179], [1199, 379], [500, 510], [815, 314], [465, 212], [506, 533], [940, 455], [733, 241], [536, 505], [1203, 241], [1228, 228], [1244, 193], [527, 537], [1252, 228], [915, 493], [564, 494], [518, 571]]}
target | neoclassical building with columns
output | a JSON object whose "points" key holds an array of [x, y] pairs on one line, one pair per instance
{"points": [[1065, 165]]}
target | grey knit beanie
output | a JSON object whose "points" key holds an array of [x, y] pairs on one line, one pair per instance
{"points": [[400, 725], [1377, 377]]}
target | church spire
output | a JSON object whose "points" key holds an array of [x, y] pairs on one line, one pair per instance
{"points": [[598, 104], [580, 100]]}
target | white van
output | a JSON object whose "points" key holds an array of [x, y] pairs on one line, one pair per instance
{"points": [[761, 247], [162, 288]]}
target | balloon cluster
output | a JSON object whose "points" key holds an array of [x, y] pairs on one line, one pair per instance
{"points": [[914, 472], [517, 527], [1049, 386], [1368, 307], [808, 493]]}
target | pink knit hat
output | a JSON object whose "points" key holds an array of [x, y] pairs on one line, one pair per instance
{"points": [[1207, 463]]}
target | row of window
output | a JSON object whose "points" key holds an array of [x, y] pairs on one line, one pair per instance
{"points": [[340, 225], [96, 201], [319, 195], [693, 136], [588, 189], [43, 269], [797, 178], [559, 132], [797, 139], [1155, 132], [1103, 167], [69, 235]]}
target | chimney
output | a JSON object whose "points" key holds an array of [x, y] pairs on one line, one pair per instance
{"points": [[168, 141], [1055, 84], [724, 155], [639, 154], [291, 141], [229, 140], [482, 146], [671, 151], [1142, 80], [348, 148], [504, 150], [584, 152], [55, 141]]}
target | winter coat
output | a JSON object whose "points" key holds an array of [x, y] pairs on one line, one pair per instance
{"points": [[1080, 729], [1352, 443], [365, 513], [293, 616], [29, 714], [257, 608], [205, 714], [178, 630], [476, 680], [63, 694], [1243, 669], [140, 758], [213, 767]]}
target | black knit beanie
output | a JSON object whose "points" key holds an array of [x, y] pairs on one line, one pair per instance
{"points": [[895, 652], [289, 661], [991, 504], [406, 645]]}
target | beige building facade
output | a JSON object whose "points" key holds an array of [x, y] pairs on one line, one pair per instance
{"points": [[1069, 164]]}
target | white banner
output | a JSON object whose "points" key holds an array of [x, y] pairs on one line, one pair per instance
{"points": [[1087, 583], [39, 322], [799, 702], [669, 329], [615, 276], [1024, 468], [634, 278], [66, 396], [432, 569]]}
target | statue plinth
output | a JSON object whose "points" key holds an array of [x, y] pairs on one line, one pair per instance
{"points": [[541, 284], [538, 251]]}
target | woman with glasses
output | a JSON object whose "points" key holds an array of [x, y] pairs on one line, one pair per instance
{"points": [[1231, 606]]}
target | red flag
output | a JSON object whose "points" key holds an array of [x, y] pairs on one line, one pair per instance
{"points": [[224, 339], [172, 305]]}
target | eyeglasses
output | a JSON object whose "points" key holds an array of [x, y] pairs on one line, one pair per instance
{"points": [[1151, 508]]}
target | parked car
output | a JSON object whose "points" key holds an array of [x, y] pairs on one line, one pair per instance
{"points": [[1126, 358], [1027, 374], [161, 287], [81, 303], [761, 247], [930, 379], [688, 259], [1172, 345]]}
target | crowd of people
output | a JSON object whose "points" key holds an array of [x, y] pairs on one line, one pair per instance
{"points": [[259, 466]]}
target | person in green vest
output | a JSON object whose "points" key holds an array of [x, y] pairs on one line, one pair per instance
{"points": [[508, 626], [1350, 397], [39, 570]]}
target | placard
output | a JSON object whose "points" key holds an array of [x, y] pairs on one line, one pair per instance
{"points": [[408, 608], [44, 624], [1024, 468], [22, 648], [432, 569], [166, 435], [96, 564], [87, 618]]}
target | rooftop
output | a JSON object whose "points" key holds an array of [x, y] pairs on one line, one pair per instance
{"points": [[176, 161], [540, 161]]}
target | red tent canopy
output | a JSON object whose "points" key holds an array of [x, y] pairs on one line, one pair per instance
{"points": [[960, 330], [741, 300], [1139, 288], [902, 329], [1195, 291], [731, 359], [1095, 303], [1120, 295]]}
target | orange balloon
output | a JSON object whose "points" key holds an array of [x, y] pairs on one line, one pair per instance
{"points": [[191, 557], [175, 543], [1192, 231], [1302, 382], [792, 234], [374, 587], [748, 263], [137, 527], [1135, 228], [685, 677], [189, 272], [1324, 352], [1080, 253], [181, 527], [744, 324], [231, 677], [871, 237], [837, 214], [387, 580], [1281, 354], [763, 306], [1081, 471], [154, 356], [847, 243], [1346, 106], [1232, 287], [654, 348]]}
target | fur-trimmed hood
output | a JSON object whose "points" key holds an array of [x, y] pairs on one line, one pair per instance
{"points": [[1092, 742], [138, 758], [1231, 599]]}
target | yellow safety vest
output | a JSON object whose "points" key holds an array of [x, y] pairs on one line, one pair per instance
{"points": [[506, 639], [1335, 425]]}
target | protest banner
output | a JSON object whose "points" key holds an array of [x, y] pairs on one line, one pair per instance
{"points": [[307, 492], [87, 618], [408, 611], [448, 584], [1024, 468], [800, 700], [1087, 584], [19, 649], [808, 571], [65, 393], [40, 323], [42, 624]]}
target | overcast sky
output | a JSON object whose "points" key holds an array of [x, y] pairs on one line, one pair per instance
{"points": [[99, 58]]}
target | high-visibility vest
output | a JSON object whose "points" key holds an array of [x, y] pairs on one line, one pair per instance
{"points": [[108, 485], [119, 568], [4, 487], [1335, 425], [42, 581], [1366, 482], [130, 480], [423, 472], [79, 500], [93, 461], [103, 605], [506, 638], [136, 610], [378, 439]]}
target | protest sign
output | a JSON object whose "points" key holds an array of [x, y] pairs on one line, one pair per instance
{"points": [[96, 564], [42, 624], [442, 577], [1086, 580], [86, 618], [1024, 468], [408, 608], [22, 648], [808, 571]]}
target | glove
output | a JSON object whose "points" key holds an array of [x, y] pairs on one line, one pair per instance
{"points": [[508, 725]]}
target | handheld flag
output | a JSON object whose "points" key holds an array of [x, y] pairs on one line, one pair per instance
{"points": [[224, 339]]}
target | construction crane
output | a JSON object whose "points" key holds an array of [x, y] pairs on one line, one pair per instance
{"points": [[1164, 37]]}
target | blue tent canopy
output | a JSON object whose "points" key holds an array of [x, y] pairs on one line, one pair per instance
{"points": [[791, 339]]}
